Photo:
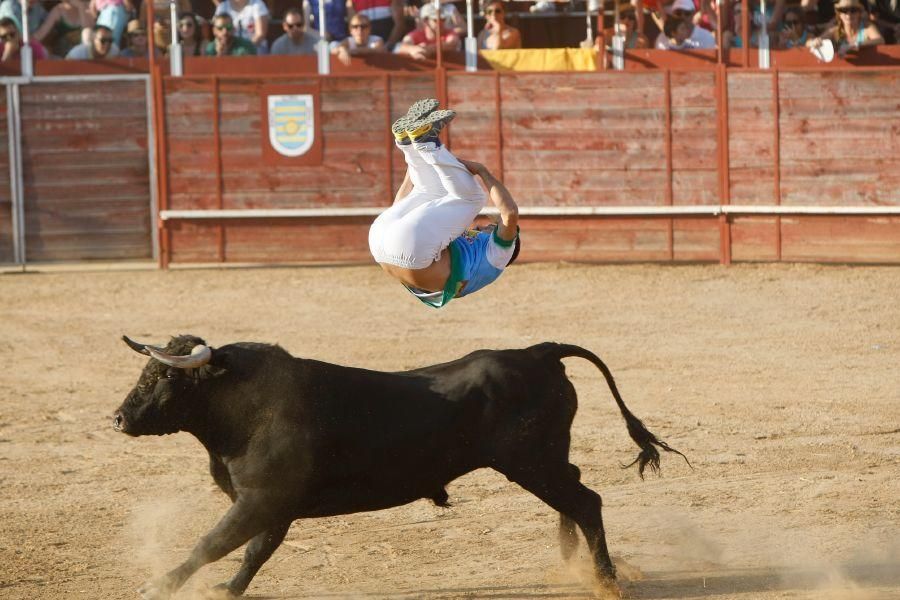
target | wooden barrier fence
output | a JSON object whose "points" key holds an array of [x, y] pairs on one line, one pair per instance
{"points": [[739, 165], [689, 161]]}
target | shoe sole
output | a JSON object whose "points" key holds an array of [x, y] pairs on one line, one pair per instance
{"points": [[437, 119], [418, 110]]}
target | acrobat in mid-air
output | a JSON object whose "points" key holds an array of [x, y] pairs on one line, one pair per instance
{"points": [[433, 211]]}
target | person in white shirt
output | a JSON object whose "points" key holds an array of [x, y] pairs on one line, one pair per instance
{"points": [[361, 41], [679, 31]]}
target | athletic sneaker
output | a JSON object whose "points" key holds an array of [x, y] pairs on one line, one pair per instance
{"points": [[429, 127], [419, 109]]}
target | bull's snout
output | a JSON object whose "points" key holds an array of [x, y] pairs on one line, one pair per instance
{"points": [[118, 422]]}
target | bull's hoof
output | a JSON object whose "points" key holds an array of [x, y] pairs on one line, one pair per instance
{"points": [[220, 592], [607, 589], [158, 589]]}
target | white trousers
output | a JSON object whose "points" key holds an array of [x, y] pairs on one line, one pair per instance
{"points": [[444, 201]]}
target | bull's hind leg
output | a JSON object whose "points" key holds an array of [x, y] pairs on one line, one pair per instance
{"points": [[568, 536], [560, 488], [258, 551]]}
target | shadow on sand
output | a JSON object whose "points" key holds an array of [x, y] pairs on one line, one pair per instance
{"points": [[670, 584]]}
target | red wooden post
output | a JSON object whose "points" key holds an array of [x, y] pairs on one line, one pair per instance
{"points": [[157, 97], [776, 127], [745, 31], [724, 162], [667, 85], [217, 140]]}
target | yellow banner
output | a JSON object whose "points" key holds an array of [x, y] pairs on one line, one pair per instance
{"points": [[542, 59]]}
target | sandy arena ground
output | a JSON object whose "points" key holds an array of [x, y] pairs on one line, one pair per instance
{"points": [[781, 383]]}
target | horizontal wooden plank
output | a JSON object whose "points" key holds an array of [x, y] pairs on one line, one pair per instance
{"points": [[841, 239], [754, 238]]}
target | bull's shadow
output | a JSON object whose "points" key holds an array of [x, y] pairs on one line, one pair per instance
{"points": [[669, 585]]}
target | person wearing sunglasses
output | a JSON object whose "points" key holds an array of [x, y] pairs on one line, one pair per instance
{"points": [[11, 42], [360, 42], [225, 42], [496, 34], [296, 40], [851, 31], [101, 46]]}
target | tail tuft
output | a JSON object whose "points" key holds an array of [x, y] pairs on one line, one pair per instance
{"points": [[649, 455]]}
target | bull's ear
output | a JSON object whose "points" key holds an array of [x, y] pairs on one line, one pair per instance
{"points": [[137, 347]]}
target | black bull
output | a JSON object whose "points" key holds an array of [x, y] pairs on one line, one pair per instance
{"points": [[290, 438]]}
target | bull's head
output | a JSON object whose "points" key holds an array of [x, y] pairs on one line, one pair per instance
{"points": [[161, 401]]}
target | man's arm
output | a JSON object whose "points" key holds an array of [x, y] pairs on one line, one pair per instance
{"points": [[399, 22], [502, 199], [405, 188]]}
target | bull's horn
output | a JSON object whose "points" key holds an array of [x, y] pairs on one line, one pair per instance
{"points": [[137, 346], [198, 357]]}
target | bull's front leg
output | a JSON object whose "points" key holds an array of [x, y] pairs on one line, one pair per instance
{"points": [[258, 551], [242, 522]]}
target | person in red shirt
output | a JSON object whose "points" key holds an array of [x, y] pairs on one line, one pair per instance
{"points": [[11, 43], [421, 42]]}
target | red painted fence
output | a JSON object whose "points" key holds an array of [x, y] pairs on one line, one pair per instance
{"points": [[784, 139], [676, 159]]}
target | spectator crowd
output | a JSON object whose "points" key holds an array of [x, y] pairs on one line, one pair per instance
{"points": [[97, 29]]}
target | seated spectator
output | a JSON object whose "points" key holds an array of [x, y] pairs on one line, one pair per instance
{"points": [[335, 19], [61, 30], [793, 32], [101, 46], [360, 42], [12, 9], [388, 21], [112, 14], [679, 31], [136, 41], [850, 32], [496, 34], [11, 42], [295, 39], [190, 35], [250, 19], [886, 16], [225, 42], [421, 42]]}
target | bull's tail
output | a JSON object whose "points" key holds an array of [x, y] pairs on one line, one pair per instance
{"points": [[649, 455]]}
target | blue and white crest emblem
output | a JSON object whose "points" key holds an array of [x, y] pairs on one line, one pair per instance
{"points": [[292, 126]]}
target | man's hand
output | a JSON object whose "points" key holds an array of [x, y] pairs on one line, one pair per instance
{"points": [[475, 168], [221, 47]]}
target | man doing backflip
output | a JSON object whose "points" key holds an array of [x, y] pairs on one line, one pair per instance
{"points": [[434, 207]]}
